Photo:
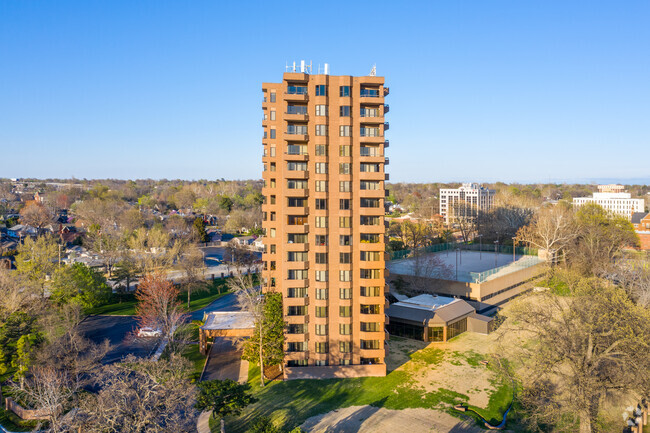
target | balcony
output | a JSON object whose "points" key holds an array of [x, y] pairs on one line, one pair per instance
{"points": [[386, 91], [295, 156], [387, 161], [300, 229], [298, 210], [296, 117], [372, 175], [386, 143], [371, 96], [386, 126], [298, 284], [296, 94], [387, 176], [296, 76], [298, 174], [297, 192], [372, 193], [386, 108], [297, 247], [292, 135], [298, 265]]}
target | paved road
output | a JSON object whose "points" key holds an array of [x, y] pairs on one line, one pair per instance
{"points": [[225, 303], [225, 359], [120, 332]]}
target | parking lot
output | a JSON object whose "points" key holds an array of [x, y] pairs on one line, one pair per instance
{"points": [[120, 331]]}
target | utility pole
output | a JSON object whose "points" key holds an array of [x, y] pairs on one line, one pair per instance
{"points": [[514, 240]]}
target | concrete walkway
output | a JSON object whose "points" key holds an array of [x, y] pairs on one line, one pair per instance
{"points": [[203, 423], [224, 361]]}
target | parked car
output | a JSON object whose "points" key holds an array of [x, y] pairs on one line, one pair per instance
{"points": [[149, 332]]}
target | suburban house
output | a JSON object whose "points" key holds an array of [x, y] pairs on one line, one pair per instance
{"points": [[21, 231]]}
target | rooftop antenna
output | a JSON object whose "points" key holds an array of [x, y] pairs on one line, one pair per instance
{"points": [[373, 71]]}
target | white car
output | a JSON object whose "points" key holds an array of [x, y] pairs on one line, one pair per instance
{"points": [[149, 332]]}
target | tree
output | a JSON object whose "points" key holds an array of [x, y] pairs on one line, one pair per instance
{"points": [[158, 306], [36, 258], [17, 293], [465, 216], [269, 338], [193, 266], [25, 348], [36, 215], [139, 396], [125, 271], [223, 398], [198, 227], [552, 229], [80, 284], [578, 352], [263, 425], [633, 275], [12, 329], [601, 236], [239, 256]]}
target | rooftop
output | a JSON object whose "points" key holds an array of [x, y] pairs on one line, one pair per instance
{"points": [[228, 320]]}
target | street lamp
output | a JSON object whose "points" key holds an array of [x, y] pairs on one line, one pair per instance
{"points": [[496, 247], [480, 245], [514, 241]]}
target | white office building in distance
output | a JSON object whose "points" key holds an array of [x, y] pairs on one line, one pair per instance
{"points": [[618, 203], [465, 201]]}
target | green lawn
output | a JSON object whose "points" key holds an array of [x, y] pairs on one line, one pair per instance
{"points": [[124, 305], [290, 403], [8, 419]]}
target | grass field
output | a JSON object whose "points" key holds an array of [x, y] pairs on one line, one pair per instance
{"points": [[290, 403], [124, 305]]}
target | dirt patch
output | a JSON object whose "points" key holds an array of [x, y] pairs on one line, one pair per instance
{"points": [[370, 419]]}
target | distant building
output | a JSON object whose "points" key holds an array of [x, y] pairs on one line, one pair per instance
{"points": [[618, 202], [641, 223], [465, 201]]}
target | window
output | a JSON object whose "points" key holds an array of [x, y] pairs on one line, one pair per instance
{"points": [[272, 96], [321, 222], [273, 249], [297, 292], [345, 346], [297, 90], [345, 257], [296, 109], [297, 363], [321, 203], [273, 166], [272, 151], [456, 328], [272, 133], [369, 168], [345, 311], [297, 129], [321, 362], [370, 185], [370, 256], [369, 309], [296, 310], [345, 293], [321, 167], [297, 274], [344, 362], [321, 311], [369, 93], [272, 114], [344, 111], [344, 150], [321, 240], [345, 275], [296, 328], [321, 258], [321, 276], [369, 151], [344, 168], [345, 329], [296, 202], [369, 202], [296, 149], [320, 329], [344, 204], [344, 131], [272, 232], [296, 166], [370, 274], [322, 294], [321, 347], [369, 112], [370, 326], [295, 238], [344, 186], [297, 346], [295, 256], [370, 220], [321, 110], [370, 344], [437, 333], [321, 129], [345, 222], [296, 184], [321, 90], [344, 91], [321, 150], [344, 240], [273, 183], [321, 186]]}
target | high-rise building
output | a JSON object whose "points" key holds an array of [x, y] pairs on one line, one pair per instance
{"points": [[466, 201], [324, 174]]}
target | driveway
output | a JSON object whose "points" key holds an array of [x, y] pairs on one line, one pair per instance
{"points": [[120, 333], [225, 303], [225, 360]]}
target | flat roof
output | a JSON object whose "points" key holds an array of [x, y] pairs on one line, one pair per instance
{"points": [[229, 320], [430, 309]]}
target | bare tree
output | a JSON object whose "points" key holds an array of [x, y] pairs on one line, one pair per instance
{"points": [[252, 301], [17, 293], [158, 306], [632, 274], [36, 215], [427, 267], [552, 229], [193, 266], [578, 352]]}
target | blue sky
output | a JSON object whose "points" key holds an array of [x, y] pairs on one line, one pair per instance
{"points": [[480, 90]]}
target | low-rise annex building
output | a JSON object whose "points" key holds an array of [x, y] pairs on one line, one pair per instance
{"points": [[435, 318], [225, 324]]}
